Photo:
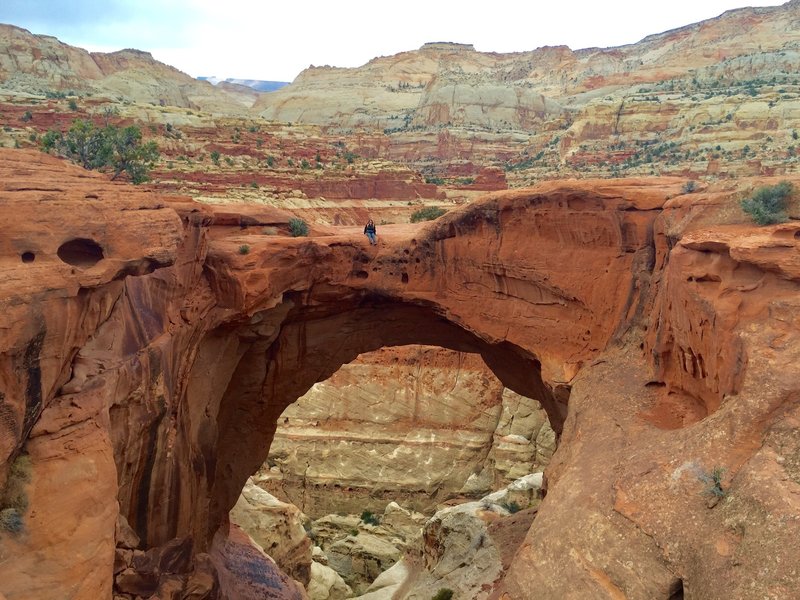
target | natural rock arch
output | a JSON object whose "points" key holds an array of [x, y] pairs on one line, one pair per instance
{"points": [[292, 318], [130, 384]]}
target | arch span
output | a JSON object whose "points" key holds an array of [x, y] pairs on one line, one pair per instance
{"points": [[287, 317], [159, 386]]}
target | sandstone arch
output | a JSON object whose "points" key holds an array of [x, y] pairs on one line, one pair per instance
{"points": [[147, 383]]}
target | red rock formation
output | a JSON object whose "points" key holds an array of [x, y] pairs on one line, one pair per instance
{"points": [[144, 363]]}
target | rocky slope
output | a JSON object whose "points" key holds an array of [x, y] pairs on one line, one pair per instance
{"points": [[42, 64], [453, 84], [710, 100], [146, 359]]}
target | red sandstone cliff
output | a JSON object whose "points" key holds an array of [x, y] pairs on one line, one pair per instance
{"points": [[145, 359]]}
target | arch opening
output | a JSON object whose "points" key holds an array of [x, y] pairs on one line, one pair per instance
{"points": [[373, 452], [245, 375]]}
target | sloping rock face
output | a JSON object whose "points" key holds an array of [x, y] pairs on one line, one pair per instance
{"points": [[453, 84], [146, 359], [355, 441], [41, 63]]}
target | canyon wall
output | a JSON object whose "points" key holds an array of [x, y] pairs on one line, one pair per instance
{"points": [[146, 358]]}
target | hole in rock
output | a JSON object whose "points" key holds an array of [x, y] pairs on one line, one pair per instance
{"points": [[797, 234], [676, 591], [404, 278], [80, 252], [369, 454], [28, 257], [361, 274]]}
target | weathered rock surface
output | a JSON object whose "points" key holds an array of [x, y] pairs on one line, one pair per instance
{"points": [[355, 441], [41, 63], [452, 83], [360, 551], [464, 548], [145, 362], [277, 527], [327, 584], [246, 573]]}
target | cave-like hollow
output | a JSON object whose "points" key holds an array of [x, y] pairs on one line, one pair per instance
{"points": [[245, 374]]}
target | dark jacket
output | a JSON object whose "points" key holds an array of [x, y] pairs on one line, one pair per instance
{"points": [[369, 228]]}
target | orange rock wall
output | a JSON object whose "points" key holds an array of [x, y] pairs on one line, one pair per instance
{"points": [[148, 379]]}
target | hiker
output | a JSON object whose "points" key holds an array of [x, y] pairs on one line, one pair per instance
{"points": [[369, 231]]}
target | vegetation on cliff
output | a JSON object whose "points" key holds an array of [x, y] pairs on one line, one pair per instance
{"points": [[429, 213], [767, 205], [118, 149]]}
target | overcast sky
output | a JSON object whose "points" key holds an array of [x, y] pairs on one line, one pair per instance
{"points": [[276, 40]]}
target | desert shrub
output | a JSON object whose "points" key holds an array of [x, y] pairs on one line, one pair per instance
{"points": [[369, 518], [713, 481], [26, 116], [215, 156], [244, 249], [512, 507], [767, 204], [298, 227], [443, 594], [15, 498], [10, 520], [119, 150], [429, 213], [72, 105], [689, 187]]}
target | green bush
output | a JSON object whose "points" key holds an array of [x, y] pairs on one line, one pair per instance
{"points": [[26, 116], [443, 594], [512, 507], [119, 149], [215, 156], [767, 204], [429, 213], [369, 518], [689, 187], [244, 249], [72, 105], [298, 227]]}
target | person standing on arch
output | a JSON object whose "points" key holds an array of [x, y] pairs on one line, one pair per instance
{"points": [[371, 232]]}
